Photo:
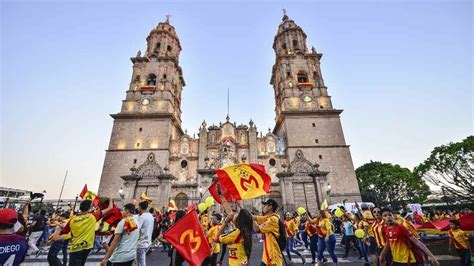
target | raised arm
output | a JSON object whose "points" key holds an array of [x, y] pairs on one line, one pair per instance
{"points": [[110, 207], [424, 249]]}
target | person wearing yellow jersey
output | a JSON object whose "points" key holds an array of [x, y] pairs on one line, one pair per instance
{"points": [[461, 242], [312, 234], [239, 241], [408, 224], [82, 229], [326, 237], [290, 230], [268, 224], [205, 221], [359, 223], [211, 236], [404, 246]]}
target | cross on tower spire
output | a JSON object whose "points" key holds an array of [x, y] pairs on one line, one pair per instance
{"points": [[285, 16], [168, 18]]}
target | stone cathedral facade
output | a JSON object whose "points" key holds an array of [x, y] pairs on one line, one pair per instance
{"points": [[305, 154]]}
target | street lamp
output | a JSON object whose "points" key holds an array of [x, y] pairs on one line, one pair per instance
{"points": [[121, 194], [328, 191], [200, 189]]}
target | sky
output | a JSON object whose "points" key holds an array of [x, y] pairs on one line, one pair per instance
{"points": [[401, 70]]}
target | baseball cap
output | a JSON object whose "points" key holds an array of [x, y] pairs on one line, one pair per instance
{"points": [[271, 202], [8, 216]]}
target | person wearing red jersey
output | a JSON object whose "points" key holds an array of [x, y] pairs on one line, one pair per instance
{"points": [[403, 245], [461, 242]]}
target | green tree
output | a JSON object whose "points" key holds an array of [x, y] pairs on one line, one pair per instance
{"points": [[451, 168], [386, 184], [37, 206]]}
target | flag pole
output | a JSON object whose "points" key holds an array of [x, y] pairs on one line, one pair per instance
{"points": [[75, 202], [61, 194], [228, 104]]}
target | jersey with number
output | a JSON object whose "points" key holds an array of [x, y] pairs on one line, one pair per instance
{"points": [[235, 244], [12, 249]]}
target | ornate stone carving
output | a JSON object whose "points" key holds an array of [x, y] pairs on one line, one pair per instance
{"points": [[149, 169], [226, 154], [300, 165]]}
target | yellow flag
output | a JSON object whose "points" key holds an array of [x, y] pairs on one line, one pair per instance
{"points": [[144, 197], [324, 205]]}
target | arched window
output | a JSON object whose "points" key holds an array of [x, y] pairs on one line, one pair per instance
{"points": [[181, 200], [295, 43], [151, 81], [169, 48], [283, 46], [157, 47], [302, 77]]}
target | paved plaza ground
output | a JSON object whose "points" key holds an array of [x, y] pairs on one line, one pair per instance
{"points": [[161, 258]]}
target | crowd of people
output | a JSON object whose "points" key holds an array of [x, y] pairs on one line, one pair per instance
{"points": [[379, 236]]}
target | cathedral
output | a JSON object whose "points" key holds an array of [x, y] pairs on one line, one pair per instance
{"points": [[306, 154]]}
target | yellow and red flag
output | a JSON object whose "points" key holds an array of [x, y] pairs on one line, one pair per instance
{"points": [[144, 197], [172, 206], [187, 237], [86, 194], [129, 224], [243, 181]]}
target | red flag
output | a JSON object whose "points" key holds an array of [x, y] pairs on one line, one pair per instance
{"points": [[188, 238], [96, 200], [83, 192]]}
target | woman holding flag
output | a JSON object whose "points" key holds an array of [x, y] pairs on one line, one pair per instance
{"points": [[239, 241]]}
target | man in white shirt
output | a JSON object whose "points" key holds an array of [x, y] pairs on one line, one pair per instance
{"points": [[145, 223], [123, 248]]}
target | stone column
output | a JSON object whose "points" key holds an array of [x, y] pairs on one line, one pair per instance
{"points": [[252, 139], [202, 153], [285, 186], [164, 188], [317, 176]]}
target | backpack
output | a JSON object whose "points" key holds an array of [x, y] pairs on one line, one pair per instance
{"points": [[281, 239]]}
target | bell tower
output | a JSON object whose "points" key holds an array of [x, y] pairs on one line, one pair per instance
{"points": [[296, 74], [306, 118], [150, 116]]}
